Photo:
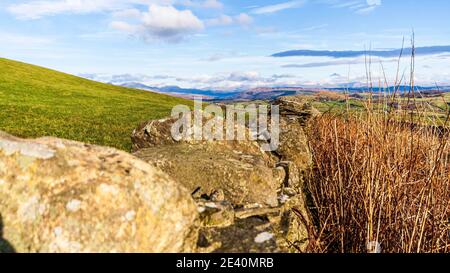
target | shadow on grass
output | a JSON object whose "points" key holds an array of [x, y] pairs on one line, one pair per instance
{"points": [[5, 246]]}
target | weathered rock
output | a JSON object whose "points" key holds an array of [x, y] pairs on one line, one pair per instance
{"points": [[247, 213], [290, 228], [240, 168], [244, 177], [261, 229], [217, 195], [156, 133], [153, 133], [292, 177], [249, 235], [65, 196], [5, 246], [296, 106], [215, 214], [293, 224], [265, 190], [295, 111]]}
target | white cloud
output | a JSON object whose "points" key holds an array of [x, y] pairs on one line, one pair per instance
{"points": [[345, 4], [236, 73], [374, 2], [207, 4], [212, 4], [366, 10], [18, 39], [278, 7], [242, 19], [162, 23], [222, 81], [371, 6], [125, 27], [238, 80], [316, 27], [222, 20], [127, 13], [358, 6], [39, 9], [35, 9]]}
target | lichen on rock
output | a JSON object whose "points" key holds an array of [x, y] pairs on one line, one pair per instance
{"points": [[75, 197]]}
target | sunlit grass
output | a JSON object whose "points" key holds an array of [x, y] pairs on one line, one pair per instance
{"points": [[38, 102]]}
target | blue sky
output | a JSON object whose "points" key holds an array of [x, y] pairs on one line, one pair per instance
{"points": [[225, 44]]}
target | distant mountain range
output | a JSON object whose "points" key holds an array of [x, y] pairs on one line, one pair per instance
{"points": [[264, 93], [183, 92], [401, 88]]}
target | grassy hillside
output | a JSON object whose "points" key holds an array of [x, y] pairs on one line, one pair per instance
{"points": [[35, 101]]}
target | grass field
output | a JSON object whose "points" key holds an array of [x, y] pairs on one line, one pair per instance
{"points": [[427, 110], [35, 102]]}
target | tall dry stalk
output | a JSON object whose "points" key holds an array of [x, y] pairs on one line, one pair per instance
{"points": [[381, 177]]}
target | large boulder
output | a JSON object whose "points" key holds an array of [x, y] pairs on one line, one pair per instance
{"points": [[65, 196], [240, 168], [245, 177]]}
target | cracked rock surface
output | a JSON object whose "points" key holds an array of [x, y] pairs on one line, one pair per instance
{"points": [[259, 191], [64, 196]]}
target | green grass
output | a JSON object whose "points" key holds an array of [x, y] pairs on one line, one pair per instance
{"points": [[35, 102], [333, 106]]}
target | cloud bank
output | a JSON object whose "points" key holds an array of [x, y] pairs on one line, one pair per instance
{"points": [[39, 9], [431, 50], [242, 19], [222, 82], [278, 7]]}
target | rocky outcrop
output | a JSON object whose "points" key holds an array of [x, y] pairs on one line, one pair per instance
{"points": [[260, 193], [152, 134], [245, 177], [64, 196], [157, 133], [245, 173], [297, 107], [295, 112]]}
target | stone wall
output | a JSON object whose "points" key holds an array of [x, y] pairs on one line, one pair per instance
{"points": [[206, 196], [246, 197]]}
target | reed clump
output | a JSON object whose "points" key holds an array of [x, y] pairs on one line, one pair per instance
{"points": [[381, 179]]}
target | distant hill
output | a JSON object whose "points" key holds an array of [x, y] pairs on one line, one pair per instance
{"points": [[36, 101], [262, 93], [182, 92], [269, 93], [401, 88]]}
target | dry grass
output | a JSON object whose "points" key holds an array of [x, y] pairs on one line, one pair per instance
{"points": [[379, 178], [375, 181]]}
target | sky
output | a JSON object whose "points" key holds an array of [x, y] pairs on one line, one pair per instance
{"points": [[229, 44]]}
